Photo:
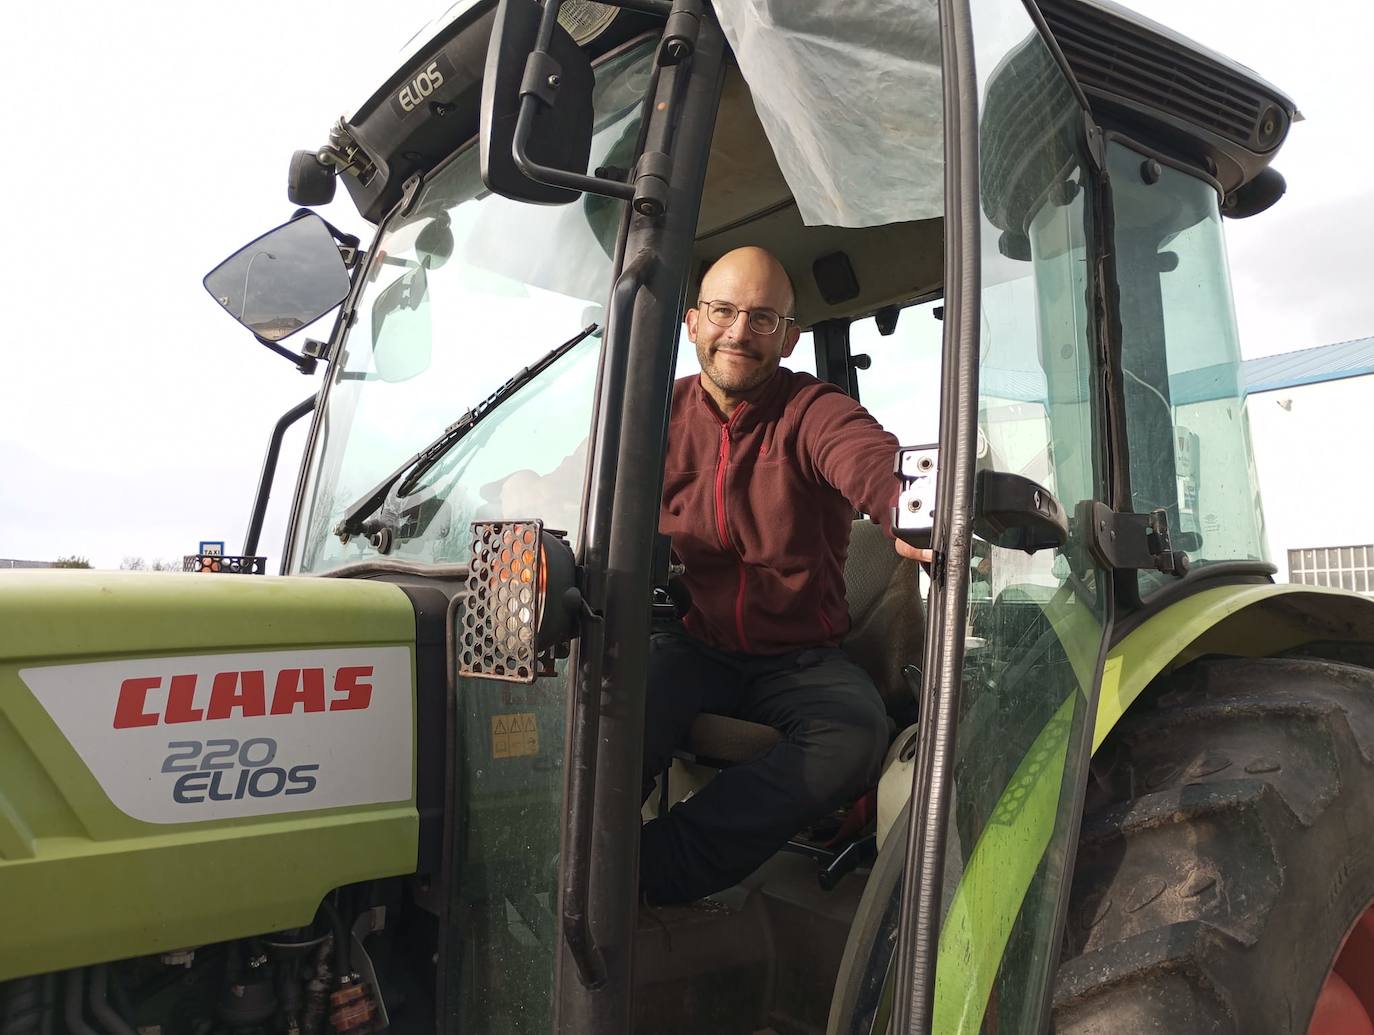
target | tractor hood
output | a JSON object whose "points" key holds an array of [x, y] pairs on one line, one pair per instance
{"points": [[162, 734]]}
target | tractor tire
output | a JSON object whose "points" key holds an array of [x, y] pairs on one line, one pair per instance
{"points": [[1227, 849]]}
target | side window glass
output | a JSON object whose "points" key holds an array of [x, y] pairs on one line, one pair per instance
{"points": [[901, 386], [1186, 417]]}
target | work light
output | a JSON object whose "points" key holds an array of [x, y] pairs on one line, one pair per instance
{"points": [[516, 612]]}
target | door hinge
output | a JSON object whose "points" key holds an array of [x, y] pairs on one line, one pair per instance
{"points": [[1130, 542]]}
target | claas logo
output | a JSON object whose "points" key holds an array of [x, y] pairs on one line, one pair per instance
{"points": [[157, 700]]}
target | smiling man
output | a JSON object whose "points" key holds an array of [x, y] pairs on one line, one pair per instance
{"points": [[765, 470]]}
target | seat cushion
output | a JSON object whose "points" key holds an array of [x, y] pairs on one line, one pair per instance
{"points": [[887, 620], [720, 740]]}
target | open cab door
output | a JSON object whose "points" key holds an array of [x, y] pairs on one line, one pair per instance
{"points": [[1018, 627]]}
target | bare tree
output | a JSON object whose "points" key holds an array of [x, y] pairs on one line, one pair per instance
{"points": [[133, 564]]}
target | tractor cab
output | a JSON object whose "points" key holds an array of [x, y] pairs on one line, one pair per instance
{"points": [[1005, 236]]}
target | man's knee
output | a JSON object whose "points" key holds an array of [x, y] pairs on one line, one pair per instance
{"points": [[847, 752]]}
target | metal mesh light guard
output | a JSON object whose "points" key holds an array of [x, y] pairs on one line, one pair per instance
{"points": [[505, 603]]}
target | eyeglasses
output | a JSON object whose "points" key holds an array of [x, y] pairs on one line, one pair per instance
{"points": [[761, 321]]}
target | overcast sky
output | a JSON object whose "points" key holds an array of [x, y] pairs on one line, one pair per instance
{"points": [[148, 141]]}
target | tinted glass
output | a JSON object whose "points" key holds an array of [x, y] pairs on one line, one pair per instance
{"points": [[1035, 622], [1186, 418]]}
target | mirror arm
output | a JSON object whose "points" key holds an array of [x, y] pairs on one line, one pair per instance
{"points": [[539, 87], [347, 240], [305, 364]]}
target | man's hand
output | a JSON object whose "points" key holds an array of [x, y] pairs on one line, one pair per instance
{"points": [[915, 553]]}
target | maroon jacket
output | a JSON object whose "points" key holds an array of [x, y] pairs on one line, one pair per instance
{"points": [[759, 508]]}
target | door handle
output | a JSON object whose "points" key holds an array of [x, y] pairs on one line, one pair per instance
{"points": [[1015, 513]]}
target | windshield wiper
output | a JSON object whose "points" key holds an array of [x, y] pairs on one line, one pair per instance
{"points": [[355, 520]]}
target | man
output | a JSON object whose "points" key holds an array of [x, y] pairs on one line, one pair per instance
{"points": [[764, 470]]}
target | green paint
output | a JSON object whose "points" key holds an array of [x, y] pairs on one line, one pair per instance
{"points": [[1152, 647], [1004, 861], [988, 899], [81, 881]]}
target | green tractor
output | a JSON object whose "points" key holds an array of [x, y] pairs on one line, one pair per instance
{"points": [[1131, 782]]}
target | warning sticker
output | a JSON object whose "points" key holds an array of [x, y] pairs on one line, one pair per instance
{"points": [[513, 736]]}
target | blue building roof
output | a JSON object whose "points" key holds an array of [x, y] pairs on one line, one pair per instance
{"points": [[1309, 366], [1266, 374]]}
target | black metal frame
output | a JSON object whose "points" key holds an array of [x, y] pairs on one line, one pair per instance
{"points": [[269, 471], [601, 832], [918, 924]]}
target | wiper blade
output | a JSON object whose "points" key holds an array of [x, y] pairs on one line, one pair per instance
{"points": [[355, 520]]}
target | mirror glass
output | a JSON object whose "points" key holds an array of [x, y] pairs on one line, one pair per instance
{"points": [[288, 278]]}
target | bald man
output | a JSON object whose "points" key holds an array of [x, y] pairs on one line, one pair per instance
{"points": [[764, 471]]}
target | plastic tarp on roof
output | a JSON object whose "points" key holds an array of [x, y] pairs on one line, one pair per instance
{"points": [[850, 98]]}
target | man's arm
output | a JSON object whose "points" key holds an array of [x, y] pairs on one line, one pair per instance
{"points": [[856, 454]]}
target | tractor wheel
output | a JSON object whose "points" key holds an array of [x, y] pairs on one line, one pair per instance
{"points": [[1226, 866]]}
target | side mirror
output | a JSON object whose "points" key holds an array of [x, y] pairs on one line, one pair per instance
{"points": [[1015, 513], [287, 278], [560, 76]]}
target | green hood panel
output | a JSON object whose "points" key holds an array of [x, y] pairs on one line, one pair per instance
{"points": [[70, 614], [190, 758]]}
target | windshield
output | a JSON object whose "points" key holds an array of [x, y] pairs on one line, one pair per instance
{"points": [[461, 293]]}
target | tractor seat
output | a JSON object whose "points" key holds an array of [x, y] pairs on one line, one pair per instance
{"points": [[887, 632]]}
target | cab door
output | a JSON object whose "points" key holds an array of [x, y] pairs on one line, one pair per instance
{"points": [[1018, 638]]}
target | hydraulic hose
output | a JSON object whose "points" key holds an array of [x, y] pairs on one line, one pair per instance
{"points": [[343, 949], [100, 1003], [73, 1013]]}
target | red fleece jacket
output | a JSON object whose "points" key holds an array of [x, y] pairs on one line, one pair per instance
{"points": [[760, 506]]}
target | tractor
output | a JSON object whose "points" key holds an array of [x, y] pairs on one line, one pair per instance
{"points": [[1130, 786]]}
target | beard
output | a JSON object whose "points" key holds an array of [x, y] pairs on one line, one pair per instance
{"points": [[726, 375]]}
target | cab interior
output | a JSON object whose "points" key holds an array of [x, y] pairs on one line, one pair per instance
{"points": [[768, 954]]}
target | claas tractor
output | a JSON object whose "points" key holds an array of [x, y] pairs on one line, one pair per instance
{"points": [[1130, 786]]}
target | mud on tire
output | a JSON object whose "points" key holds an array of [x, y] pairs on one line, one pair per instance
{"points": [[1227, 847]]}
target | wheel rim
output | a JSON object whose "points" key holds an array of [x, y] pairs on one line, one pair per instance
{"points": [[1346, 1003]]}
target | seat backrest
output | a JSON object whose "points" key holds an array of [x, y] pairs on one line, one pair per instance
{"points": [[886, 614]]}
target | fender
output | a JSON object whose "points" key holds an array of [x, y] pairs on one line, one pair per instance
{"points": [[1253, 620]]}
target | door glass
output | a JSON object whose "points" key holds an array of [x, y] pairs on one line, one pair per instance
{"points": [[1035, 621], [1186, 421]]}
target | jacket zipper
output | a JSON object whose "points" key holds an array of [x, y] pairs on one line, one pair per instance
{"points": [[722, 462]]}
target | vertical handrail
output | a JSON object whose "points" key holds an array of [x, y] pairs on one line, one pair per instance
{"points": [[269, 471], [919, 926]]}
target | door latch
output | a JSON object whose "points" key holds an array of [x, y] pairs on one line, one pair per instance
{"points": [[913, 518]]}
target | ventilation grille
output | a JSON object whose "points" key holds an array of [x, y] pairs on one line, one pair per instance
{"points": [[1111, 56]]}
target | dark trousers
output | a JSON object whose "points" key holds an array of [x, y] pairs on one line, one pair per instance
{"points": [[834, 736]]}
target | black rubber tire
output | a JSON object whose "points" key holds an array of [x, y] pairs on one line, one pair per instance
{"points": [[1227, 847]]}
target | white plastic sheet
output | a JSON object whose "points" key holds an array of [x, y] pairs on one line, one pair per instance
{"points": [[849, 94]]}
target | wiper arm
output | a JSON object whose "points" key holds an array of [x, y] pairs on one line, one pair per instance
{"points": [[355, 520]]}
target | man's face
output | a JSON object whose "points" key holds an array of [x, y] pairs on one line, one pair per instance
{"points": [[736, 358]]}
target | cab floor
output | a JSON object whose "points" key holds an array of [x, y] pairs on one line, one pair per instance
{"points": [[758, 959]]}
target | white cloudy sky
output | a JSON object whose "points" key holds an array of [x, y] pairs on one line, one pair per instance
{"points": [[147, 141]]}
